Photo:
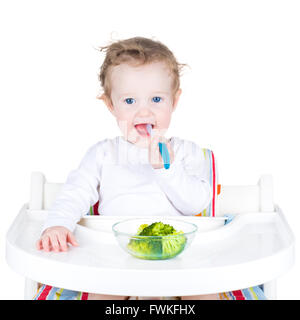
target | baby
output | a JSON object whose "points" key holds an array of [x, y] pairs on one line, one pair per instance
{"points": [[140, 78]]}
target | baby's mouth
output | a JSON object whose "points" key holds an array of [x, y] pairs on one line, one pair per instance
{"points": [[141, 128]]}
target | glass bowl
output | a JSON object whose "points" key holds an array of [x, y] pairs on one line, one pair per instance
{"points": [[154, 247]]}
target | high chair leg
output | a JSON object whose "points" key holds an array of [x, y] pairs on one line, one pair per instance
{"points": [[270, 290], [30, 289]]}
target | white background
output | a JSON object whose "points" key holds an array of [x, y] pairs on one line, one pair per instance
{"points": [[240, 94]]}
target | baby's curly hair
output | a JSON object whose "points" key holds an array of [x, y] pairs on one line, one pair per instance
{"points": [[137, 51]]}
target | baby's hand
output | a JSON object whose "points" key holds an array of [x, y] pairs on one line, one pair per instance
{"points": [[155, 157], [56, 239]]}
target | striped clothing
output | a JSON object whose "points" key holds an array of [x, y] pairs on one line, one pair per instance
{"points": [[52, 293], [209, 157], [46, 292], [253, 293]]}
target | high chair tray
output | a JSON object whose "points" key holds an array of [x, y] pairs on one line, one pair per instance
{"points": [[252, 249]]}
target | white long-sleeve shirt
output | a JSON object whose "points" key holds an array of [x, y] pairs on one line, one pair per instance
{"points": [[119, 175]]}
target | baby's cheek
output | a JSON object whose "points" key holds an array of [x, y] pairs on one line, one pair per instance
{"points": [[164, 121], [128, 130], [124, 122]]}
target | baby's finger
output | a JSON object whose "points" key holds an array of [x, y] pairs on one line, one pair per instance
{"points": [[45, 243], [155, 156], [39, 245], [54, 242], [62, 239], [154, 140], [71, 239], [163, 139], [171, 152]]}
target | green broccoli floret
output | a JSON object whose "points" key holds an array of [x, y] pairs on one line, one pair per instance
{"points": [[174, 245], [160, 246], [141, 228], [157, 229]]}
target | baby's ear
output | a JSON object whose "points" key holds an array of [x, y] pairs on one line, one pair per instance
{"points": [[101, 96], [176, 98], [107, 101]]}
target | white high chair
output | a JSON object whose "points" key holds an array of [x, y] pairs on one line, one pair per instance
{"points": [[254, 249]]}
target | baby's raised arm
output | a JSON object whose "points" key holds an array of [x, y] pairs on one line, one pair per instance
{"points": [[186, 183]]}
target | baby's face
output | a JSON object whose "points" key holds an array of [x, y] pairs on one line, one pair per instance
{"points": [[142, 95]]}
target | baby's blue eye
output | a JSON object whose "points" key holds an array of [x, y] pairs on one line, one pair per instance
{"points": [[156, 99], [129, 100]]}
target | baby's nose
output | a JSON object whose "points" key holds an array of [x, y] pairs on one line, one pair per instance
{"points": [[144, 111]]}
